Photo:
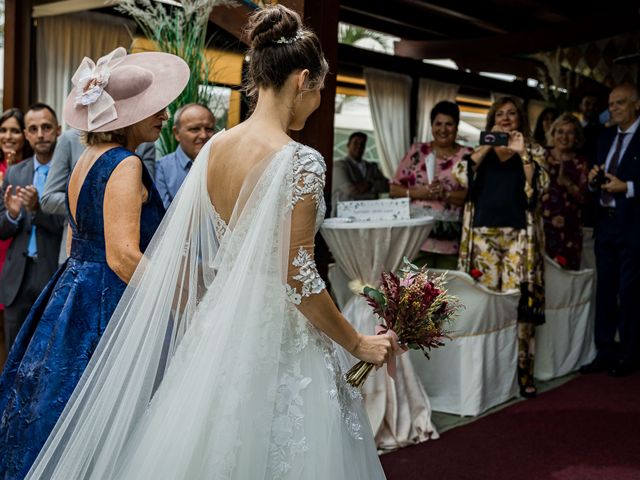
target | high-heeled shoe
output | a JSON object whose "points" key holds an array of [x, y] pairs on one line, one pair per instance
{"points": [[528, 391]]}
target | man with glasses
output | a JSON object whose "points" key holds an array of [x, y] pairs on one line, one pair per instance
{"points": [[193, 126], [33, 255]]}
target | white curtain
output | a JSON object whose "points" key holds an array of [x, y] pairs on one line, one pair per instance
{"points": [[64, 40], [389, 98], [431, 92]]}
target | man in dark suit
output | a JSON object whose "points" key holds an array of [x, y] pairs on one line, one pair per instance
{"points": [[33, 255], [617, 237], [355, 178]]}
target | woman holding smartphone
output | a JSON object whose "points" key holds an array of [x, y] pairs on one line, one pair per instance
{"points": [[502, 235]]}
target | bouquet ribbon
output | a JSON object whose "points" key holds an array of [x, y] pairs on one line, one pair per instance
{"points": [[399, 350]]}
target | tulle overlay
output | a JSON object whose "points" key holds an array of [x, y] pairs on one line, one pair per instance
{"points": [[207, 369]]}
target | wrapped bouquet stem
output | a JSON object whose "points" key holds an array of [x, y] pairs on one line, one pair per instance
{"points": [[415, 309]]}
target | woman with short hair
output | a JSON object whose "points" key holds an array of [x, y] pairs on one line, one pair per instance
{"points": [[114, 209]]}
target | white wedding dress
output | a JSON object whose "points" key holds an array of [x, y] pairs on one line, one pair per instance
{"points": [[208, 370]]}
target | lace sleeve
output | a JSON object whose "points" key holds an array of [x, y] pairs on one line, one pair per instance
{"points": [[307, 203]]}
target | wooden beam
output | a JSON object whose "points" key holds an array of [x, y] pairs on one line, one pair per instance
{"points": [[520, 67], [579, 31], [381, 22], [430, 7], [403, 18], [232, 19], [18, 75], [352, 60], [322, 18]]}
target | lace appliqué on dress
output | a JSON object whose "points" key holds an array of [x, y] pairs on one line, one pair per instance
{"points": [[308, 177], [344, 393], [307, 275], [219, 225], [287, 435]]}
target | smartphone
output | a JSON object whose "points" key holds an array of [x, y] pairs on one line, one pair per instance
{"points": [[495, 139]]}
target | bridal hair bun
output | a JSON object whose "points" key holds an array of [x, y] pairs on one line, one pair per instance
{"points": [[273, 26], [281, 45]]}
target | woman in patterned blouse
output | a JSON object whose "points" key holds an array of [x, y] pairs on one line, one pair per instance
{"points": [[425, 176], [562, 204]]}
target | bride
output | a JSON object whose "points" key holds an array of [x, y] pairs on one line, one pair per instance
{"points": [[221, 359]]}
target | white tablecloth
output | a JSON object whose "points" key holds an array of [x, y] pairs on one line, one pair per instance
{"points": [[399, 411]]}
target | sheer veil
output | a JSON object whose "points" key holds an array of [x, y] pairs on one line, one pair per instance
{"points": [[202, 298]]}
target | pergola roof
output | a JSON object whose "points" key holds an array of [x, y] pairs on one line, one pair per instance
{"points": [[509, 36]]}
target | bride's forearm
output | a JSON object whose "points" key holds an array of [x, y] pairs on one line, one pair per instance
{"points": [[323, 314]]}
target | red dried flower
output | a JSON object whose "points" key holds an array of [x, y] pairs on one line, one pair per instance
{"points": [[475, 273], [560, 260]]}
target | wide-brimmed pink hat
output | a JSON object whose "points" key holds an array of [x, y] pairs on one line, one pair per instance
{"points": [[120, 90]]}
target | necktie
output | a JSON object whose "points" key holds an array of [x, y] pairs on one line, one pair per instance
{"points": [[607, 198], [39, 180]]}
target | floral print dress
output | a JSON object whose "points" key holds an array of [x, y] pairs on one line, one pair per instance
{"points": [[562, 208], [412, 172]]}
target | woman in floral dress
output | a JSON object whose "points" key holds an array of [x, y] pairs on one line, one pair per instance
{"points": [[425, 176], [562, 204]]}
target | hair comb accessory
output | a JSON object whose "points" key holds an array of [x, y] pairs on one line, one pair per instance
{"points": [[299, 34]]}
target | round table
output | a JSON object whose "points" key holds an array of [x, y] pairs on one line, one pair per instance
{"points": [[399, 410]]}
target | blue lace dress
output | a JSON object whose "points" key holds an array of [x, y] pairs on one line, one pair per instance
{"points": [[65, 324]]}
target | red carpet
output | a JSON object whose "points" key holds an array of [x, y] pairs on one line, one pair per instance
{"points": [[587, 429]]}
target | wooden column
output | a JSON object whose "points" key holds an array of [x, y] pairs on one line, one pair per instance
{"points": [[18, 74], [322, 18]]}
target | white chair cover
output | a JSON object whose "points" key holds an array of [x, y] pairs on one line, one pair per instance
{"points": [[476, 370], [565, 342]]}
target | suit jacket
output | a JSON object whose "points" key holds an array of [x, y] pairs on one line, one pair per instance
{"points": [[346, 173], [65, 156], [627, 209], [49, 231]]}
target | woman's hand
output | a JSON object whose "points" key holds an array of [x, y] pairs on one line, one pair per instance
{"points": [[516, 142], [435, 190], [375, 349]]}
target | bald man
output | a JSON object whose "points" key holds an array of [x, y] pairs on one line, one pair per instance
{"points": [[617, 237], [193, 125]]}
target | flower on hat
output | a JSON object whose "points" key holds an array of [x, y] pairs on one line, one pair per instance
{"points": [[91, 85]]}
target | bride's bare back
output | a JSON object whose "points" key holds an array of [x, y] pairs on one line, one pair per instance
{"points": [[233, 155]]}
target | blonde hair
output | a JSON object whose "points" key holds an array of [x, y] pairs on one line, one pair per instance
{"points": [[114, 136], [566, 119]]}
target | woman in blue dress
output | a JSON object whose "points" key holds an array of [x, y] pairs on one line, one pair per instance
{"points": [[114, 210]]}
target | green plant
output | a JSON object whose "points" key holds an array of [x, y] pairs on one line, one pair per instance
{"points": [[180, 29]]}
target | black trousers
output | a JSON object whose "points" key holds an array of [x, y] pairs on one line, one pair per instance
{"points": [[16, 313], [618, 290]]}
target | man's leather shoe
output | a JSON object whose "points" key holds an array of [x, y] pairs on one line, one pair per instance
{"points": [[597, 366], [622, 369]]}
